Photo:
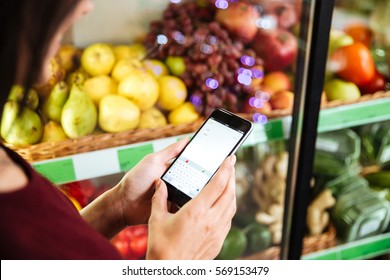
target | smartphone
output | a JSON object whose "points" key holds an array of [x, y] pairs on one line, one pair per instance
{"points": [[219, 137]]}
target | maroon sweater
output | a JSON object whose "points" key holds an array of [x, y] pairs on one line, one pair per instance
{"points": [[40, 222]]}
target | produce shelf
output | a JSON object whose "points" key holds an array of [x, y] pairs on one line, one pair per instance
{"points": [[362, 249], [120, 159], [370, 111]]}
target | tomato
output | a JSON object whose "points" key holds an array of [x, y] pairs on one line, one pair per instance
{"points": [[139, 240], [360, 33], [378, 83], [354, 63], [132, 242], [81, 191]]}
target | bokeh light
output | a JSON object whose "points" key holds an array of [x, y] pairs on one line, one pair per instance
{"points": [[262, 95], [247, 60], [244, 79], [175, 1], [212, 83], [256, 102], [179, 37], [267, 22], [221, 4], [162, 39], [257, 73], [213, 40], [259, 118], [244, 71], [196, 100], [206, 48]]}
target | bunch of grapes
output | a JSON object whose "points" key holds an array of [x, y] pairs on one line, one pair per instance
{"points": [[219, 69]]}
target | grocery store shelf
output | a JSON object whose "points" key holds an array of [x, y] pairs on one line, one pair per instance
{"points": [[354, 114], [120, 159], [367, 248]]}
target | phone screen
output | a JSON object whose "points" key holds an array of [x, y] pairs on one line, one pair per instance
{"points": [[202, 156]]}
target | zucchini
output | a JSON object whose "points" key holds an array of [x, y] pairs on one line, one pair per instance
{"points": [[379, 179]]}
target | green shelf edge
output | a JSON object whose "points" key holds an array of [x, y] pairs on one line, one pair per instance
{"points": [[276, 129], [354, 115], [61, 170], [362, 249]]}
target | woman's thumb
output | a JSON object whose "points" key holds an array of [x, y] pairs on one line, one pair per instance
{"points": [[159, 199]]}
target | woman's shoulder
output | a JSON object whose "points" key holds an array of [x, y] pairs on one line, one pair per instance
{"points": [[12, 175]]}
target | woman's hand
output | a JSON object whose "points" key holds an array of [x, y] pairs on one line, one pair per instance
{"points": [[198, 229], [136, 188], [129, 202]]}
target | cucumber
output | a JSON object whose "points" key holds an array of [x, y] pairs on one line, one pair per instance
{"points": [[379, 179], [258, 237], [242, 219], [234, 245], [386, 166]]}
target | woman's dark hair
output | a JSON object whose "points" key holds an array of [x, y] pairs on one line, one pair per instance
{"points": [[33, 22]]}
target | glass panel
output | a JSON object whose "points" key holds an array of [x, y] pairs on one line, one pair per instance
{"points": [[349, 209], [240, 55], [151, 72]]}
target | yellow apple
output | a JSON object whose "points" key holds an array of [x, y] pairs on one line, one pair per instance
{"points": [[156, 67], [141, 87], [136, 51], [98, 59], [124, 68], [173, 92]]}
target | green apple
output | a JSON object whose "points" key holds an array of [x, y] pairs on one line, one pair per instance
{"points": [[338, 89], [337, 39], [176, 65]]}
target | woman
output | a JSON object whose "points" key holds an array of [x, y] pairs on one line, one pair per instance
{"points": [[38, 222]]}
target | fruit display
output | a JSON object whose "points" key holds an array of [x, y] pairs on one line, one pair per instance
{"points": [[199, 56], [132, 242], [357, 60], [101, 88], [222, 51]]}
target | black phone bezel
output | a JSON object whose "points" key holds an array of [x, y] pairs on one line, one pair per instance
{"points": [[225, 117]]}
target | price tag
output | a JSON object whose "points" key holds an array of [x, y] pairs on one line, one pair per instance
{"points": [[274, 130], [129, 157], [58, 172]]}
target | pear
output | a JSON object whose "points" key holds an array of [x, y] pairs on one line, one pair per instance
{"points": [[152, 118], [17, 92], [185, 113], [69, 57], [79, 115], [20, 126], [52, 132], [56, 72], [77, 77], [53, 106], [117, 113]]}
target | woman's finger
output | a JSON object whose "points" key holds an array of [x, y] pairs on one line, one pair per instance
{"points": [[172, 150], [213, 190], [159, 199]]}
